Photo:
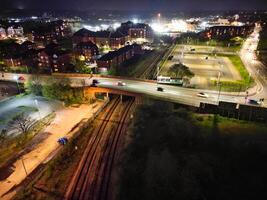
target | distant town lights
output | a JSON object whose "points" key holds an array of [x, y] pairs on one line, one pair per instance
{"points": [[179, 25], [135, 21], [116, 25], [158, 28]]}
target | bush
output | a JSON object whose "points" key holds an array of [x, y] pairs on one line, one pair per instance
{"points": [[56, 90], [174, 156]]}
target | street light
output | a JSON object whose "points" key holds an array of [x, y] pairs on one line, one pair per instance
{"points": [[219, 86], [16, 78], [37, 105]]}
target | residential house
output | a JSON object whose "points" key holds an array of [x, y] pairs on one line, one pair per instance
{"points": [[54, 59], [117, 57], [87, 49]]}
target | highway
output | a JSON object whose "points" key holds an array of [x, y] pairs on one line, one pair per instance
{"points": [[256, 68]]}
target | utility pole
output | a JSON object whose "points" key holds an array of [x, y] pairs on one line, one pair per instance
{"points": [[23, 164], [219, 94], [219, 86], [37, 105]]}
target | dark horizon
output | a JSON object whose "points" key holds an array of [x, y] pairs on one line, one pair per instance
{"points": [[137, 5]]}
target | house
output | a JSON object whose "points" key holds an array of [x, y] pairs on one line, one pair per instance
{"points": [[49, 32], [27, 45], [117, 57], [12, 61], [138, 32], [221, 32], [3, 34], [102, 39], [54, 59], [15, 31], [87, 49]]}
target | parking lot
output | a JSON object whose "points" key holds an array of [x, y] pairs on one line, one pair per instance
{"points": [[204, 64]]}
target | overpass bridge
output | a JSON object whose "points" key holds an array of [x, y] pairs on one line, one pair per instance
{"points": [[108, 84]]}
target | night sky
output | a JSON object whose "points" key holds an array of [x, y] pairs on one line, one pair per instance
{"points": [[137, 4]]}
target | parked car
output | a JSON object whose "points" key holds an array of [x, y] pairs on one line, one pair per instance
{"points": [[120, 83], [203, 95], [160, 89], [170, 57], [62, 140]]}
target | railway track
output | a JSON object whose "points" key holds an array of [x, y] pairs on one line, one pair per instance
{"points": [[151, 71], [93, 175], [148, 73]]}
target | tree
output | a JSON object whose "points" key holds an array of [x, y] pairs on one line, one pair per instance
{"points": [[80, 66], [180, 71], [34, 85], [3, 135], [21, 122]]}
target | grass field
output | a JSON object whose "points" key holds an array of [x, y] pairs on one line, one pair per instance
{"points": [[10, 146], [236, 86]]}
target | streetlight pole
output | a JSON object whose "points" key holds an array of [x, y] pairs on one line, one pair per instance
{"points": [[37, 105], [219, 94], [219, 86], [16, 79], [23, 164]]}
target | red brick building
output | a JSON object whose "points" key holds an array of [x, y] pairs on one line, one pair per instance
{"points": [[116, 58], [220, 32], [54, 60], [113, 40], [139, 32], [49, 32], [87, 49]]}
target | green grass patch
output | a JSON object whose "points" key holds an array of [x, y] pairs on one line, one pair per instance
{"points": [[12, 145], [235, 86], [237, 62]]}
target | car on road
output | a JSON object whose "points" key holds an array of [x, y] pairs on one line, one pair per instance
{"points": [[254, 102], [160, 89], [94, 82], [120, 83], [202, 94], [192, 49], [170, 57], [21, 78]]}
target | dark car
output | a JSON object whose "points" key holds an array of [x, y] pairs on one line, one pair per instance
{"points": [[21, 78], [170, 57], [94, 82], [160, 89], [192, 49], [253, 102], [62, 140]]}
